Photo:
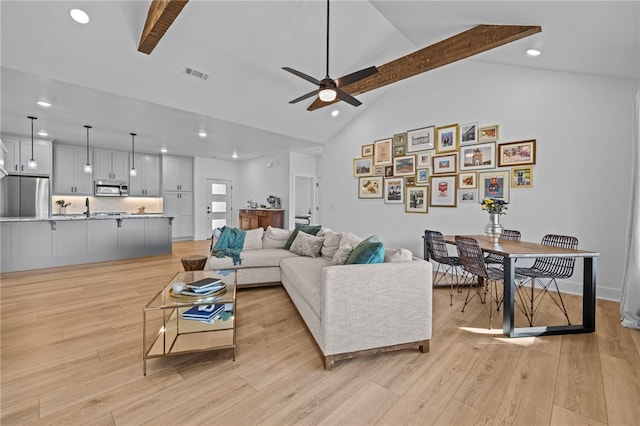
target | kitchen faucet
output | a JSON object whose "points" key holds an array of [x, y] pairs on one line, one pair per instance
{"points": [[86, 203]]}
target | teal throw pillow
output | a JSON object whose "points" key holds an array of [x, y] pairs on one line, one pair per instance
{"points": [[368, 251], [307, 229]]}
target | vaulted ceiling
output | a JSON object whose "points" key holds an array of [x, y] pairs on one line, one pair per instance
{"points": [[94, 74]]}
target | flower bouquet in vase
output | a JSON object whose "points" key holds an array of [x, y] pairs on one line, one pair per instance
{"points": [[495, 207]]}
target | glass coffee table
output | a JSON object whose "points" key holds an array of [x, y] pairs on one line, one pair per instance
{"points": [[168, 331]]}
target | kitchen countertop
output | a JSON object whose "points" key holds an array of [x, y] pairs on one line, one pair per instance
{"points": [[83, 217]]}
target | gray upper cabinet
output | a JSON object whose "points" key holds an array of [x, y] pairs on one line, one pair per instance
{"points": [[146, 182], [177, 173], [69, 177], [19, 154], [110, 165]]}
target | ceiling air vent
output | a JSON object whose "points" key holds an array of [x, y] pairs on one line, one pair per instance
{"points": [[196, 73]]}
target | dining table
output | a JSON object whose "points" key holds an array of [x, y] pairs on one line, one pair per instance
{"points": [[513, 250]]}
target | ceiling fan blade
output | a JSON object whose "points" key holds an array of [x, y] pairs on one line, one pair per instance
{"points": [[303, 97], [460, 46], [344, 96], [302, 75], [356, 76]]}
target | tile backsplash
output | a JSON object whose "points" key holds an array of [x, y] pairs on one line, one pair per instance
{"points": [[107, 204]]}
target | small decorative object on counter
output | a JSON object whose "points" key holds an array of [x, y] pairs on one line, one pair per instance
{"points": [[141, 209], [62, 206], [495, 207]]}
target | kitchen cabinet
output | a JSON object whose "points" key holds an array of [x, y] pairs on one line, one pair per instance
{"points": [[261, 218], [110, 165], [69, 177], [146, 182], [180, 206], [177, 173], [19, 154]]}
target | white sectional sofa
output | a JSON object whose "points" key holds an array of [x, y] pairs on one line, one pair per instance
{"points": [[350, 309]]}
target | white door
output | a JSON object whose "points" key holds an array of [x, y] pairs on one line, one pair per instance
{"points": [[219, 210]]}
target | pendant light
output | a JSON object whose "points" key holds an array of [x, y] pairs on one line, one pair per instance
{"points": [[87, 167], [32, 164], [133, 172]]}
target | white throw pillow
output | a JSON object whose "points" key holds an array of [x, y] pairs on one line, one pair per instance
{"points": [[330, 244], [399, 255], [275, 237], [348, 242], [253, 239], [306, 245]]}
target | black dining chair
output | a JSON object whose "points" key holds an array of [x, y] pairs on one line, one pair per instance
{"points": [[545, 271], [436, 249], [472, 259], [507, 234]]}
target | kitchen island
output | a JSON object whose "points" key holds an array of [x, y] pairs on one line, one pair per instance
{"points": [[60, 240]]}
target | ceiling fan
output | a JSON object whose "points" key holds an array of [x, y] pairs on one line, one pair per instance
{"points": [[330, 90]]}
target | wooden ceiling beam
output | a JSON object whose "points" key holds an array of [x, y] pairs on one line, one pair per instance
{"points": [[160, 16], [468, 43]]}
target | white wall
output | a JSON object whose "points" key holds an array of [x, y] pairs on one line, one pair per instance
{"points": [[211, 168], [583, 128]]}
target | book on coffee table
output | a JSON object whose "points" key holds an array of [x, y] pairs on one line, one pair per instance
{"points": [[206, 284], [203, 312]]}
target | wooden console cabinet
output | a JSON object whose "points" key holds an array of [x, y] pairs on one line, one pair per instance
{"points": [[255, 218]]}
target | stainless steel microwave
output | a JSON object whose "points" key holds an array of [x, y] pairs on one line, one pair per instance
{"points": [[111, 188]]}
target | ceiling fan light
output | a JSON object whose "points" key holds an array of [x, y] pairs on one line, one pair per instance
{"points": [[327, 95]]}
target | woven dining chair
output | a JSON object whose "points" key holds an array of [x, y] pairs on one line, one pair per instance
{"points": [[472, 259], [545, 271], [436, 249], [507, 234]]}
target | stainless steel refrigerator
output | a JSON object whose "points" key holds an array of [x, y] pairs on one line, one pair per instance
{"points": [[24, 196]]}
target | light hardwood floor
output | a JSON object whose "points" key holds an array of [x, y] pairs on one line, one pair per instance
{"points": [[72, 354]]}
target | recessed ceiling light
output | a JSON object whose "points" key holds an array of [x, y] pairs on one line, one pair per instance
{"points": [[234, 155], [202, 134], [335, 113], [533, 52], [80, 16], [44, 104], [163, 150], [43, 133]]}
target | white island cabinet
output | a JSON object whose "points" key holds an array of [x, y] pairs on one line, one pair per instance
{"points": [[60, 241]]}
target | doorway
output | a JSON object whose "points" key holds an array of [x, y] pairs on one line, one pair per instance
{"points": [[305, 209], [219, 206]]}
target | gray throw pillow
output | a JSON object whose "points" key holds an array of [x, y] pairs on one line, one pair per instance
{"points": [[348, 242], [330, 244], [306, 245]]}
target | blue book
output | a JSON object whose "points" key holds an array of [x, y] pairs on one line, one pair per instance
{"points": [[203, 312]]}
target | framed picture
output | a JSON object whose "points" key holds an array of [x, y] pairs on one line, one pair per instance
{"points": [[468, 133], [517, 153], [378, 170], [494, 184], [367, 150], [423, 159], [416, 199], [488, 133], [522, 177], [362, 166], [410, 181], [467, 195], [422, 177], [468, 180], [447, 138], [479, 156], [382, 152], [399, 150], [394, 190], [400, 139], [445, 164], [404, 166], [370, 187], [388, 171], [443, 191], [421, 139]]}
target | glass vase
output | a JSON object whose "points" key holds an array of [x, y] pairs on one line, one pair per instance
{"points": [[493, 229]]}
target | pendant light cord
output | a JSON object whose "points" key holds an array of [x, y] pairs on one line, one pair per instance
{"points": [[32, 118], [87, 127], [133, 150]]}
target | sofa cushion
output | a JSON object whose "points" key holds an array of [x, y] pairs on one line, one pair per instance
{"points": [[306, 245], [370, 250], [252, 258], [399, 255], [309, 229], [348, 242], [330, 244], [306, 273], [253, 239], [275, 237]]}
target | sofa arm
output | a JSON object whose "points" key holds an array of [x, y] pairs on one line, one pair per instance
{"points": [[371, 306]]}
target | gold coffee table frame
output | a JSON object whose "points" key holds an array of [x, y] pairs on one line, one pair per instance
{"points": [[175, 335]]}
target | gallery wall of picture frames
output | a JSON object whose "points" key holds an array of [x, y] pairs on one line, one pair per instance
{"points": [[441, 166]]}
